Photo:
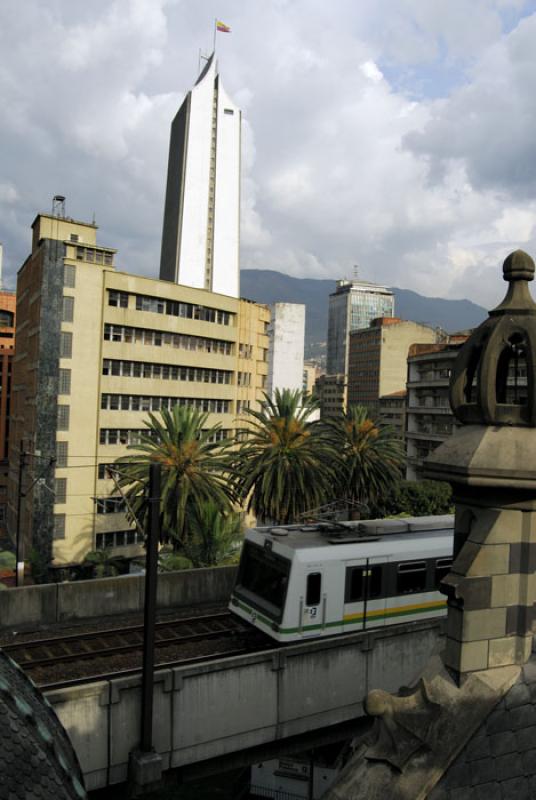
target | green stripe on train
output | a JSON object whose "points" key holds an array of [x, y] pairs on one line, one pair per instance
{"points": [[402, 612]]}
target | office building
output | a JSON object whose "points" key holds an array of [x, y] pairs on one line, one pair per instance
{"points": [[429, 419], [201, 230], [97, 350], [353, 306], [392, 411], [377, 360], [286, 335], [330, 391]]}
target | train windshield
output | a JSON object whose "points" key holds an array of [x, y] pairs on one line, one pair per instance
{"points": [[263, 579]]}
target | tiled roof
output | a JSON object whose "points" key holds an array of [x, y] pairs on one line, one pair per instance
{"points": [[499, 762], [37, 761]]}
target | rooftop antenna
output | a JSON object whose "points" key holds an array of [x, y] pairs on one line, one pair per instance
{"points": [[356, 272], [93, 220], [58, 206]]}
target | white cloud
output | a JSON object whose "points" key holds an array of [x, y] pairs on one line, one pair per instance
{"points": [[346, 157]]}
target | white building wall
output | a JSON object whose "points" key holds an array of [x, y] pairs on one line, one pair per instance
{"points": [[286, 347], [193, 245], [225, 272]]}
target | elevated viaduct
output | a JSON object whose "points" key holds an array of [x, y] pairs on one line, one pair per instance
{"points": [[220, 707]]}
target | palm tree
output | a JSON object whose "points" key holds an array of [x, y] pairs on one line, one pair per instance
{"points": [[371, 454], [193, 463], [282, 468]]}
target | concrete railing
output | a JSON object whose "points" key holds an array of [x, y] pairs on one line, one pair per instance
{"points": [[61, 602]]}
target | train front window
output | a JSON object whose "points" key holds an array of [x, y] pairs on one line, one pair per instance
{"points": [[314, 586], [264, 576]]}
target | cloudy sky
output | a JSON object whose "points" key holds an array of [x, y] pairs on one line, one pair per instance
{"points": [[396, 134]]}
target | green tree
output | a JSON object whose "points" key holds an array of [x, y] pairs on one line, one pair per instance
{"points": [[214, 539], [194, 466], [417, 499], [282, 467], [369, 454]]}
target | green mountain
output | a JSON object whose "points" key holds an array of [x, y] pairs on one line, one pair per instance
{"points": [[269, 286]]}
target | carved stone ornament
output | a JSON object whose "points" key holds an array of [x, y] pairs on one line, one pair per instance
{"points": [[404, 725], [493, 380]]}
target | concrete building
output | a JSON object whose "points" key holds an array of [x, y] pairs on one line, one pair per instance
{"points": [[7, 349], [97, 349], [331, 393], [286, 334], [311, 372], [377, 358], [429, 419], [352, 306], [392, 411], [201, 231]]}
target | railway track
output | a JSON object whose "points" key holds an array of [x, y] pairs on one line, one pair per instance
{"points": [[80, 657]]}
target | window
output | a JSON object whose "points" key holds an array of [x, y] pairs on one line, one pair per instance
{"points": [[69, 275], [228, 111], [117, 299], [63, 418], [103, 471], [65, 381], [73, 237], [62, 451], [363, 582], [60, 490], [59, 526], [411, 577], [118, 539], [66, 345], [67, 312], [314, 587], [110, 505]]}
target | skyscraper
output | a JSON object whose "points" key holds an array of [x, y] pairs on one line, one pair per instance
{"points": [[353, 305], [200, 238]]}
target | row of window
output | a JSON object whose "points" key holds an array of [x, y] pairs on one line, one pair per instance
{"points": [[94, 256], [159, 305], [181, 341], [110, 505], [167, 372], [118, 539], [132, 436], [135, 402]]}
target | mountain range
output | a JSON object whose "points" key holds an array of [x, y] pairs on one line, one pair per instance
{"points": [[269, 286]]}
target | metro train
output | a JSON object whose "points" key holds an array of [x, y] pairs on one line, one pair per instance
{"points": [[301, 581]]}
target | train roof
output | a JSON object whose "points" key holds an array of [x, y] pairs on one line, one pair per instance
{"points": [[363, 539]]}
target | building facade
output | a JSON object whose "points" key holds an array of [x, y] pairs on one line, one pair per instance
{"points": [[377, 358], [8, 304], [392, 411], [353, 306], [429, 419], [331, 393], [201, 230], [286, 345], [98, 350]]}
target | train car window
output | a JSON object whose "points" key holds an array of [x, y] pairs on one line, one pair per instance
{"points": [[411, 577], [314, 586], [359, 580], [442, 568], [264, 575]]}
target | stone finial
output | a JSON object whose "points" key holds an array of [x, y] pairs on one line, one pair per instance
{"points": [[493, 380]]}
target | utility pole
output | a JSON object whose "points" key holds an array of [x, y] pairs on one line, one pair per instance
{"points": [[19, 567], [145, 765]]}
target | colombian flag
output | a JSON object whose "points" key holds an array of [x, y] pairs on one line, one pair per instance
{"points": [[222, 27]]}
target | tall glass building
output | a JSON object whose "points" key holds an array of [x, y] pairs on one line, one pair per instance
{"points": [[353, 305]]}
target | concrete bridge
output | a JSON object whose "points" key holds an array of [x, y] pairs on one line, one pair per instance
{"points": [[214, 709]]}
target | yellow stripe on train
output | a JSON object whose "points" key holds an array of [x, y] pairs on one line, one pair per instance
{"points": [[397, 610]]}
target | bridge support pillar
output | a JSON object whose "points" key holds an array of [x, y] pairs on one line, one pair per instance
{"points": [[144, 772]]}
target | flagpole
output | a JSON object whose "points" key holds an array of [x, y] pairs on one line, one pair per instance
{"points": [[215, 29]]}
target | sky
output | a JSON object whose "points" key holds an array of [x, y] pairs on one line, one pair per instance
{"points": [[398, 135]]}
